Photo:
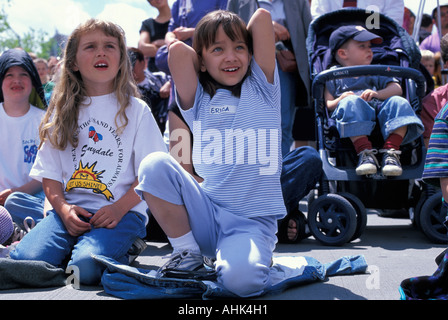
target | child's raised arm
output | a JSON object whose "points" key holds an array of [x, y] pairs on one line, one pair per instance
{"points": [[184, 67], [263, 37]]}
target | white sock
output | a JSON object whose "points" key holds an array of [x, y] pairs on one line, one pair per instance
{"points": [[187, 241]]}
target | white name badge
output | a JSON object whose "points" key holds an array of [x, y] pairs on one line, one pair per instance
{"points": [[222, 109]]}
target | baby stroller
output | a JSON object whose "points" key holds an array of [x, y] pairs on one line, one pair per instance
{"points": [[338, 214]]}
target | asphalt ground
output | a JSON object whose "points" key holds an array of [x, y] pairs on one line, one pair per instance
{"points": [[393, 248]]}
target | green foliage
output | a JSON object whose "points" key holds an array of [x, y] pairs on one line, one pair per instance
{"points": [[36, 41]]}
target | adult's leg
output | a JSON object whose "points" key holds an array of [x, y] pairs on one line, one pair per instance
{"points": [[287, 86], [301, 170]]}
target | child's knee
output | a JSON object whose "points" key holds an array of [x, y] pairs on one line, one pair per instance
{"points": [[244, 280], [88, 270], [154, 166]]}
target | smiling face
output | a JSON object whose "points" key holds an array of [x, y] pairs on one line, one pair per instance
{"points": [[16, 85], [97, 60], [226, 60]]}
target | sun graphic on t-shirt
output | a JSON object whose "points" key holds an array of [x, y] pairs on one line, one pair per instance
{"points": [[86, 177]]}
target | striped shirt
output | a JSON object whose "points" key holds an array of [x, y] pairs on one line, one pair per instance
{"points": [[436, 163], [237, 146]]}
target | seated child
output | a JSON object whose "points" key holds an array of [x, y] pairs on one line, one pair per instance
{"points": [[429, 61], [154, 87], [21, 101], [44, 74], [357, 103]]}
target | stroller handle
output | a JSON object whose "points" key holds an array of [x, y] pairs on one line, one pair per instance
{"points": [[356, 71]]}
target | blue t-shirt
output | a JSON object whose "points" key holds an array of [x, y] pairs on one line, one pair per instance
{"points": [[357, 85], [237, 146], [193, 12]]}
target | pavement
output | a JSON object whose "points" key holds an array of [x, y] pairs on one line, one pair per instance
{"points": [[393, 248]]}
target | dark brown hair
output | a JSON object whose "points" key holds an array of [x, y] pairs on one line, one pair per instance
{"points": [[204, 36]]}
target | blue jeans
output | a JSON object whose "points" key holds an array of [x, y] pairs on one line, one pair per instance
{"points": [[132, 283], [21, 205], [288, 107], [356, 117], [301, 170], [243, 271], [49, 241]]}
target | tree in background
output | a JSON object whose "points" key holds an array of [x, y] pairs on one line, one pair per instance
{"points": [[36, 41]]}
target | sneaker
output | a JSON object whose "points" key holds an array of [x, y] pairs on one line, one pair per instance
{"points": [[137, 247], [187, 265], [17, 235], [391, 162], [367, 163]]}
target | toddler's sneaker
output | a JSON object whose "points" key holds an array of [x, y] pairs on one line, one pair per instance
{"points": [[367, 163], [187, 265], [391, 162]]}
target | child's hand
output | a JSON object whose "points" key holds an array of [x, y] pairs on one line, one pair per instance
{"points": [[281, 33], [3, 195], [368, 95], [183, 33], [346, 94], [73, 223], [106, 217], [165, 90]]}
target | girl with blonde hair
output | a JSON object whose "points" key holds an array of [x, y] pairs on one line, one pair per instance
{"points": [[93, 137]]}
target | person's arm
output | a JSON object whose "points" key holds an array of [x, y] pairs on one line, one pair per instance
{"points": [[392, 89], [263, 37], [333, 102], [109, 216], [30, 187], [181, 150], [184, 66], [67, 212], [148, 47], [183, 33]]}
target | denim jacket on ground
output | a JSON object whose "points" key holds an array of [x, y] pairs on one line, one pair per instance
{"points": [[287, 271]]}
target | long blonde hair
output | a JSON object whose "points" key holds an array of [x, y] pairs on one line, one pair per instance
{"points": [[60, 124]]}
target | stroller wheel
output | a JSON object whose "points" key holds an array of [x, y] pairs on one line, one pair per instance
{"points": [[361, 215], [432, 217], [332, 220]]}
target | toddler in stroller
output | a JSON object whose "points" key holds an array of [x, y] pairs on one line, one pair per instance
{"points": [[358, 103], [350, 183]]}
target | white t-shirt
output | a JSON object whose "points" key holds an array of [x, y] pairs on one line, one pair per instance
{"points": [[237, 143], [101, 169], [391, 8], [19, 140]]}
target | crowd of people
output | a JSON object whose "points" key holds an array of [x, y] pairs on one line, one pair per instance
{"points": [[89, 168]]}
